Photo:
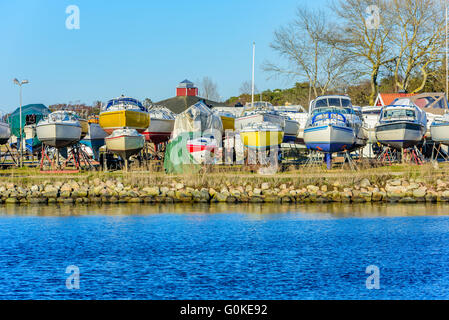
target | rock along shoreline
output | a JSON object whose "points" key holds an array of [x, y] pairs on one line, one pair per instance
{"points": [[114, 191]]}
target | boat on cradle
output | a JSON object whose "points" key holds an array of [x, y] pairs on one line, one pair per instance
{"points": [[298, 114], [267, 114], [439, 129], [261, 135], [361, 129], [203, 149], [94, 138], [333, 126], [83, 123], [401, 125], [371, 116], [125, 142], [162, 121], [434, 104], [124, 112], [5, 132], [59, 129], [200, 120]]}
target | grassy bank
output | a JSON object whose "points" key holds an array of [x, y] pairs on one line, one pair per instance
{"points": [[216, 177]]}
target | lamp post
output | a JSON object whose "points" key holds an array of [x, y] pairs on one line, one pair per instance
{"points": [[20, 83]]}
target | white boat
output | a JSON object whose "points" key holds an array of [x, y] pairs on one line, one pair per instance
{"points": [[298, 114], [289, 126], [125, 142], [360, 127], [5, 132], [401, 125], [94, 138], [59, 129], [331, 127], [439, 129], [371, 116], [162, 121], [203, 149]]}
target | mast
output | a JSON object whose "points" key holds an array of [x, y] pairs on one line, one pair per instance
{"points": [[447, 58], [252, 86]]}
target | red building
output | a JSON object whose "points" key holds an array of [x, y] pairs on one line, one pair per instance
{"points": [[186, 88]]}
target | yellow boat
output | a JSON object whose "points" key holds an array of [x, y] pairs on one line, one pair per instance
{"points": [[261, 135], [228, 121], [124, 112]]}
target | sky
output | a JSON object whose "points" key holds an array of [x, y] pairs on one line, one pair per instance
{"points": [[139, 48]]}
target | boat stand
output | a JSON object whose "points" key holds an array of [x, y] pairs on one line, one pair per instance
{"points": [[350, 161], [413, 155], [315, 159], [4, 158], [437, 152], [76, 159], [387, 156]]}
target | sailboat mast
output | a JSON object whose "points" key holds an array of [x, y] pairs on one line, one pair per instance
{"points": [[447, 58], [252, 86]]}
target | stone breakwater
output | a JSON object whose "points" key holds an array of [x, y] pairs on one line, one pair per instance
{"points": [[114, 191]]}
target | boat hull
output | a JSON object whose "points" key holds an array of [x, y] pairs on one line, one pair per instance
{"points": [[159, 130], [125, 146], [261, 139], [132, 119], [5, 132], [400, 135], [84, 127], [58, 135], [228, 123], [291, 131], [329, 138], [440, 132], [94, 138]]}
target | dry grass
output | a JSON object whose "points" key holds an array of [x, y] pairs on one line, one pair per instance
{"points": [[219, 176]]}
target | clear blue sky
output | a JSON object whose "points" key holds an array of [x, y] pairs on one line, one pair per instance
{"points": [[140, 48]]}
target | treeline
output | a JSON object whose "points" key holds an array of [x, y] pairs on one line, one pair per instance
{"points": [[364, 47], [82, 109], [360, 93]]}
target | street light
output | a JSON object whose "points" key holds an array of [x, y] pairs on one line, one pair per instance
{"points": [[20, 83]]}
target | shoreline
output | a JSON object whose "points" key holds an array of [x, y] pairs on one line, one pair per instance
{"points": [[423, 184]]}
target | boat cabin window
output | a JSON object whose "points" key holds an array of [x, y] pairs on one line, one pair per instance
{"points": [[400, 113], [321, 103], [345, 102], [334, 102], [333, 109]]}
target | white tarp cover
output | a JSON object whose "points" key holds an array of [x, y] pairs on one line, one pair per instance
{"points": [[198, 118]]}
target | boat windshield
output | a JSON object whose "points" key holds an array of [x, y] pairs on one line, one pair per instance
{"points": [[398, 114], [125, 102], [333, 102], [333, 110]]}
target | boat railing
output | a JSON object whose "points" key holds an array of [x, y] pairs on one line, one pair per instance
{"points": [[329, 117]]}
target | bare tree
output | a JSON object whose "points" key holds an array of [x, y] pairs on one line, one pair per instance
{"points": [[209, 89], [418, 39], [364, 35], [246, 88], [310, 55]]}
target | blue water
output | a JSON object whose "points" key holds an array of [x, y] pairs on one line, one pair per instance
{"points": [[197, 255]]}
